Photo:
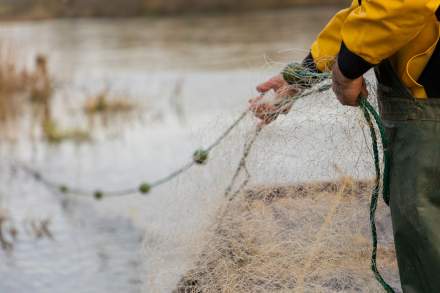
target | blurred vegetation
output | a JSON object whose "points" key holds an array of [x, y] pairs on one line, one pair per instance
{"points": [[28, 92], [10, 82], [123, 8], [18, 84], [54, 134], [9, 231], [101, 103]]}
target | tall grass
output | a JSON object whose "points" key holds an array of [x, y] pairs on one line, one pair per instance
{"points": [[19, 85], [12, 76], [102, 103], [13, 81]]}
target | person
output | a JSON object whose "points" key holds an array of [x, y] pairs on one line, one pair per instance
{"points": [[399, 39]]}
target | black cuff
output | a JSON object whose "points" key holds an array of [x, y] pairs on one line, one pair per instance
{"points": [[437, 13], [310, 64], [351, 65]]}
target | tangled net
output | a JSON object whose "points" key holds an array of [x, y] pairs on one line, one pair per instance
{"points": [[271, 240], [267, 239], [306, 237]]}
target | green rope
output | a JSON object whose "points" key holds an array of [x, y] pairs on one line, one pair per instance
{"points": [[385, 145], [368, 110]]}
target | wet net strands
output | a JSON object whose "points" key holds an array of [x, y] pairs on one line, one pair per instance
{"points": [[309, 83], [200, 157]]}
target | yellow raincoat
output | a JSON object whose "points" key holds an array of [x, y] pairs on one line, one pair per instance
{"points": [[404, 31]]}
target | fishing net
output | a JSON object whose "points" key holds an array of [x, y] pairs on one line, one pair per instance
{"points": [[301, 238], [288, 206], [282, 208]]}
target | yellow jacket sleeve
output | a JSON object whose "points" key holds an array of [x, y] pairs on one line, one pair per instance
{"points": [[328, 42], [377, 29], [370, 31]]}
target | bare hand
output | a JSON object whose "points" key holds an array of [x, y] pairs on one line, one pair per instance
{"points": [[270, 110], [348, 91]]}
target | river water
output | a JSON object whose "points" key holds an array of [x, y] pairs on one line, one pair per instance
{"points": [[189, 77]]}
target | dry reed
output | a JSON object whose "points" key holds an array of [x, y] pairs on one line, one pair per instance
{"points": [[101, 103], [13, 80], [17, 84], [304, 238]]}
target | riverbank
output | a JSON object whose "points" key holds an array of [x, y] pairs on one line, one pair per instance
{"points": [[310, 237], [34, 9]]}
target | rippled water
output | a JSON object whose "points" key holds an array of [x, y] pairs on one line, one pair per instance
{"points": [[135, 243]]}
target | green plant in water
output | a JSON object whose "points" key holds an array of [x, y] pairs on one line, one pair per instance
{"points": [[102, 104], [51, 131], [41, 85], [54, 134]]}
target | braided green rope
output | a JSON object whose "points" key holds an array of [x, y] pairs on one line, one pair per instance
{"points": [[385, 145], [368, 110]]}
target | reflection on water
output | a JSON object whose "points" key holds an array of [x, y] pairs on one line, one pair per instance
{"points": [[183, 75], [216, 42], [88, 253]]}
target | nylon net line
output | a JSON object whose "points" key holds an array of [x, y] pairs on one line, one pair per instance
{"points": [[295, 217], [279, 208]]}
